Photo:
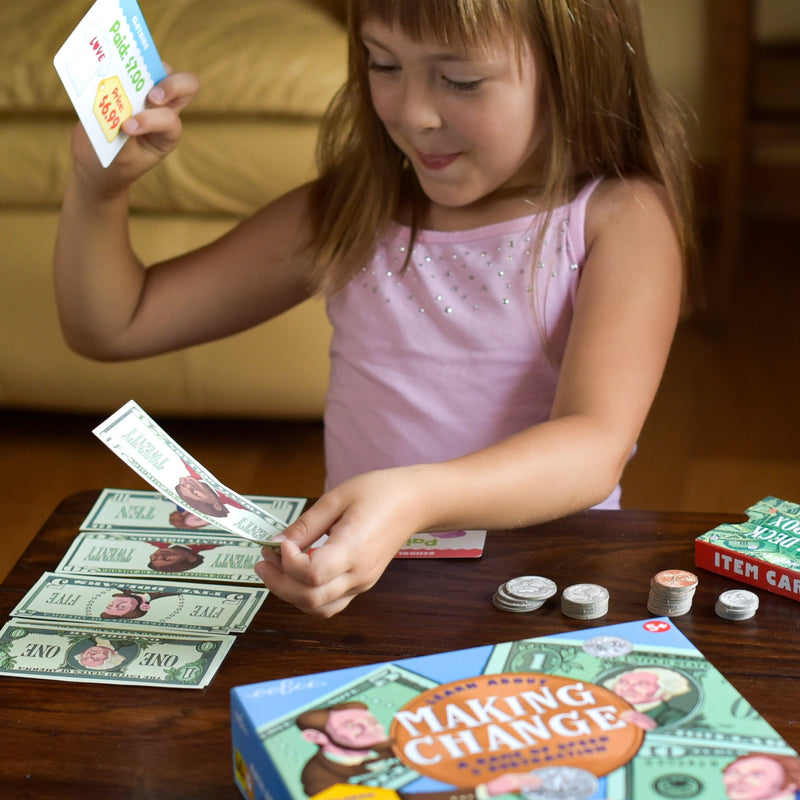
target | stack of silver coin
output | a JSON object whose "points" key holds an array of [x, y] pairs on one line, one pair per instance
{"points": [[584, 601], [671, 592], [525, 593], [737, 604]]}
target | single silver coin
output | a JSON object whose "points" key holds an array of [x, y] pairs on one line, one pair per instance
{"points": [[739, 598], [562, 783], [531, 587], [584, 593]]}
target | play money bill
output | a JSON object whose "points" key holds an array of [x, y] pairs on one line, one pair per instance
{"points": [[140, 605], [123, 510], [184, 556], [98, 655], [166, 466]]}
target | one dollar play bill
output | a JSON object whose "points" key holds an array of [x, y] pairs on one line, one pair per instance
{"points": [[217, 557], [140, 605], [97, 655], [166, 466]]}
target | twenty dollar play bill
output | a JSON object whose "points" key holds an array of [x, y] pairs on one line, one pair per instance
{"points": [[184, 556], [167, 467]]}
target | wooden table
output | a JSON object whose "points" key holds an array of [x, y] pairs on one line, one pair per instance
{"points": [[60, 740]]}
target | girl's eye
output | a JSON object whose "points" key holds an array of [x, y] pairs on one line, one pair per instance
{"points": [[374, 66], [462, 86]]}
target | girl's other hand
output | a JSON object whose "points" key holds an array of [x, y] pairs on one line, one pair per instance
{"points": [[367, 520], [153, 134]]}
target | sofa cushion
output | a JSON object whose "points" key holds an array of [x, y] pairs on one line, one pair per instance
{"points": [[220, 168]]}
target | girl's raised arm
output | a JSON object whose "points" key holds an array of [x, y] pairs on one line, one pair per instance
{"points": [[112, 307]]}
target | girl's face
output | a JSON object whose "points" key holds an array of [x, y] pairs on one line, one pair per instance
{"points": [[469, 122]]}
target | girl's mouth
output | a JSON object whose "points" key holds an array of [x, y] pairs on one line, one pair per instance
{"points": [[436, 160]]}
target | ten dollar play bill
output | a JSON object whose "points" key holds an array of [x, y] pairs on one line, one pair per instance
{"points": [[124, 510]]}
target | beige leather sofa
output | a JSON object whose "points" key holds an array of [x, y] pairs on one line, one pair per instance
{"points": [[268, 69]]}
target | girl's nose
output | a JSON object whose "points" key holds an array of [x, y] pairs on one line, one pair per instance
{"points": [[419, 109]]}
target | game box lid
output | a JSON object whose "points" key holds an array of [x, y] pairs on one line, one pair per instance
{"points": [[632, 710]]}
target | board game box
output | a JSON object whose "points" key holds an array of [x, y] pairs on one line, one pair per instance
{"points": [[764, 551], [627, 711]]}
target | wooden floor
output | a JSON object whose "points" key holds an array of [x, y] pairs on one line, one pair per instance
{"points": [[722, 434]]}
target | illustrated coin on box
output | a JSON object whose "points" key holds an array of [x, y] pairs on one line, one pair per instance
{"points": [[607, 712]]}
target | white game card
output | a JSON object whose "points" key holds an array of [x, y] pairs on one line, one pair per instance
{"points": [[108, 65]]}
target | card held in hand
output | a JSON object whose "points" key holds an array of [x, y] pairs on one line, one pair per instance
{"points": [[108, 65]]}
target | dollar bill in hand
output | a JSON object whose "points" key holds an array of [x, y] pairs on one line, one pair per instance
{"points": [[98, 655], [152, 453], [140, 605]]}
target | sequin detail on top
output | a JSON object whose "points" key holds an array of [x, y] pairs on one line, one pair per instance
{"points": [[447, 356]]}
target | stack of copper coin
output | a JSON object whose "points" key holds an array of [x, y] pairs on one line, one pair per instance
{"points": [[671, 592]]}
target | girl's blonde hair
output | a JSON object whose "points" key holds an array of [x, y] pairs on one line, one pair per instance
{"points": [[607, 117]]}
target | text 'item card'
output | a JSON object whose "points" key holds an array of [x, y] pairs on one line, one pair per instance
{"points": [[108, 65]]}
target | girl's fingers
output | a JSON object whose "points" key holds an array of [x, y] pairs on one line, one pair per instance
{"points": [[162, 127], [175, 91], [322, 600], [320, 567]]}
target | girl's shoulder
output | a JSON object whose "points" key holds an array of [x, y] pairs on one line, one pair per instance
{"points": [[635, 200], [630, 230]]}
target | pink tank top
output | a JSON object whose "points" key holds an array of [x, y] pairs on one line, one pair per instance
{"points": [[447, 357]]}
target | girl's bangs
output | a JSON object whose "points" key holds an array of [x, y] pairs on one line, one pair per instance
{"points": [[468, 23]]}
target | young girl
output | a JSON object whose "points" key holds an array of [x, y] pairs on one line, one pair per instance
{"points": [[499, 229]]}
